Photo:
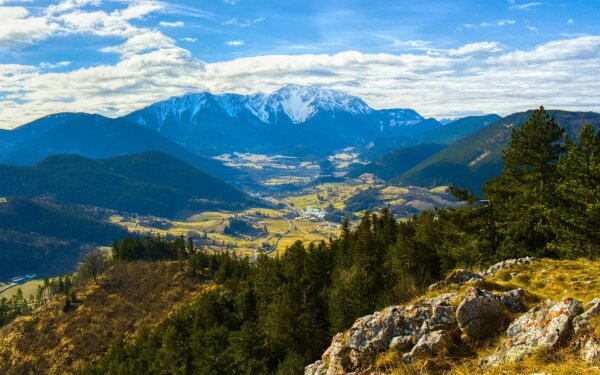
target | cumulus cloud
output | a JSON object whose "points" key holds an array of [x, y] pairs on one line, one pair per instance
{"points": [[18, 27], [151, 40]]}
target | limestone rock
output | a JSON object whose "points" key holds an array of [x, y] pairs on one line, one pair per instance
{"points": [[430, 344], [506, 265], [317, 368], [513, 300], [546, 325], [461, 276], [480, 314], [582, 321], [425, 328], [591, 350]]}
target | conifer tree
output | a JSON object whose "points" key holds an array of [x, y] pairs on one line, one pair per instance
{"points": [[578, 212], [525, 193]]}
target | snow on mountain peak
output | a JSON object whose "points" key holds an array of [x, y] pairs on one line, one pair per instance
{"points": [[297, 102], [300, 103]]}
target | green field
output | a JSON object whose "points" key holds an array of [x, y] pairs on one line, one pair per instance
{"points": [[29, 289]]}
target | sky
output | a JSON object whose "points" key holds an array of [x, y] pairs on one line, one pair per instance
{"points": [[441, 58]]}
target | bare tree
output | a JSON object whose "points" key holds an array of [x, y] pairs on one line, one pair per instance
{"points": [[92, 265]]}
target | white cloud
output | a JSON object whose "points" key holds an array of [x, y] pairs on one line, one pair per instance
{"points": [[5, 2], [559, 50], [471, 48], [570, 21], [151, 40], [189, 40], [526, 6], [248, 23], [60, 64], [18, 27], [171, 24], [69, 5], [505, 22], [235, 43], [409, 44], [230, 2]]}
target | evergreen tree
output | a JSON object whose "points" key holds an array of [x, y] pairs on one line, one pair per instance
{"points": [[578, 214], [525, 194]]}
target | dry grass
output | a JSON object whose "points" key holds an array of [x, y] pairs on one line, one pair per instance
{"points": [[131, 296]]}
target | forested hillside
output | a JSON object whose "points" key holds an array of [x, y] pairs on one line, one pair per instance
{"points": [[473, 160], [47, 239], [147, 183]]}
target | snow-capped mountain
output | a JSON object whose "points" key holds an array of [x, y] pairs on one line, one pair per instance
{"points": [[293, 116], [300, 103]]}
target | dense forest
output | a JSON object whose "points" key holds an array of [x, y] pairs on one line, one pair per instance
{"points": [[47, 238], [278, 314]]}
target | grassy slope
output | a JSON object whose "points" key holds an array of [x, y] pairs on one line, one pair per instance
{"points": [[548, 279], [132, 295]]}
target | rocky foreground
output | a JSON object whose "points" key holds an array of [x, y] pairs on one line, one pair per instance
{"points": [[441, 325]]}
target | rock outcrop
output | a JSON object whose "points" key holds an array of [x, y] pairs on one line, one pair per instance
{"points": [[425, 328], [546, 325], [433, 326], [462, 276], [507, 264], [481, 314]]}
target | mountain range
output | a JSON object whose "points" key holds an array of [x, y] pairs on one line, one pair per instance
{"points": [[472, 160], [93, 136], [316, 119], [148, 183]]}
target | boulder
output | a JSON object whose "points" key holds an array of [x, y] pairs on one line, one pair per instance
{"points": [[513, 300], [590, 352], [425, 328], [506, 265], [546, 325], [480, 314], [430, 344], [582, 321]]}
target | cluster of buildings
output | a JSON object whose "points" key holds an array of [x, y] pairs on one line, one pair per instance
{"points": [[313, 214]]}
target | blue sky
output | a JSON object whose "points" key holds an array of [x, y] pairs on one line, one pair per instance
{"points": [[442, 58]]}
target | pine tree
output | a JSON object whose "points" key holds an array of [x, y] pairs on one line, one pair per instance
{"points": [[578, 213], [525, 193]]}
